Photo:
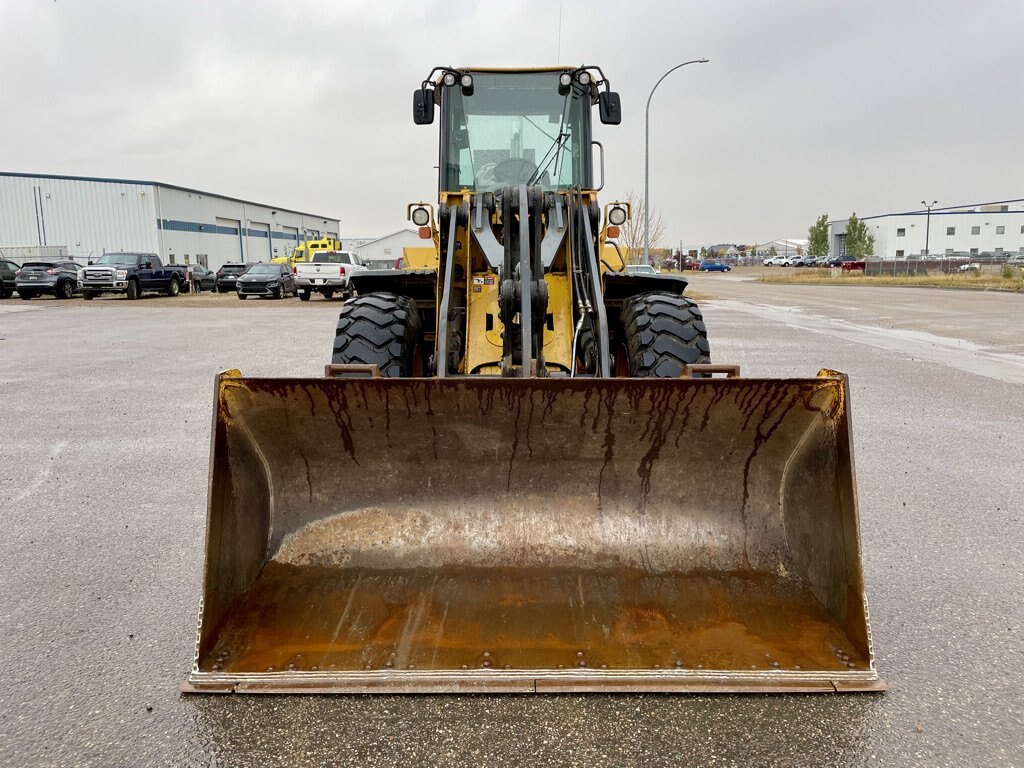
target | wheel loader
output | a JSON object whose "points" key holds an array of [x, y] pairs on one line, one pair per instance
{"points": [[521, 471]]}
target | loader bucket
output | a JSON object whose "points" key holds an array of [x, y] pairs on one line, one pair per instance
{"points": [[543, 535]]}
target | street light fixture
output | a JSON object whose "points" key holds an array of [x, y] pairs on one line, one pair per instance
{"points": [[647, 157], [927, 224]]}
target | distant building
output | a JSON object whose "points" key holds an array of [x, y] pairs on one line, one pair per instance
{"points": [[783, 247], [975, 228], [383, 252], [91, 216]]}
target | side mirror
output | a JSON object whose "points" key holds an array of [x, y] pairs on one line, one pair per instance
{"points": [[610, 107], [91, 263], [423, 106]]}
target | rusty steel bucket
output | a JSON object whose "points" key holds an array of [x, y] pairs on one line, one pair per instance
{"points": [[488, 534]]}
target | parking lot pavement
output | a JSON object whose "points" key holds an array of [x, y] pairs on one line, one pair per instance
{"points": [[103, 466]]}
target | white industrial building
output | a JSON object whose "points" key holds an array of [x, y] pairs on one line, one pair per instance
{"points": [[383, 252], [91, 216], [979, 228]]}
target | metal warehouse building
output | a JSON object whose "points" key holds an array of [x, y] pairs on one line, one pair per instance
{"points": [[972, 229], [91, 216]]}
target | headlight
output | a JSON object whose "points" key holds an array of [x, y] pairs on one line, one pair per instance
{"points": [[420, 217], [565, 80], [121, 274], [449, 79], [617, 216], [466, 81], [272, 284], [584, 78]]}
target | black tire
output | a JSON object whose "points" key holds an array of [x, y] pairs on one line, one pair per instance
{"points": [[304, 295], [379, 329], [174, 287], [279, 292], [328, 294], [6, 293], [26, 295], [662, 333], [132, 291], [65, 290], [242, 296], [88, 295]]}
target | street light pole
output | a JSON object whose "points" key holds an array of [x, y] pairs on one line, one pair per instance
{"points": [[927, 223], [647, 157]]}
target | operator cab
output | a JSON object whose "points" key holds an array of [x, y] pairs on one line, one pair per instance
{"points": [[502, 127]]}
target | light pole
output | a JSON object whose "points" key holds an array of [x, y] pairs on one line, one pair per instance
{"points": [[927, 224], [647, 157]]}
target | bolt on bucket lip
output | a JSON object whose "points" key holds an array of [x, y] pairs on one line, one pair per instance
{"points": [[552, 494]]}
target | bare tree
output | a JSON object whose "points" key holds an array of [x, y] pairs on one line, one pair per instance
{"points": [[631, 238]]}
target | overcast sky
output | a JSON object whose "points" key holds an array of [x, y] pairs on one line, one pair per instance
{"points": [[805, 108]]}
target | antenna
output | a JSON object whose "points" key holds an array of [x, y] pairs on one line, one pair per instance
{"points": [[558, 58]]}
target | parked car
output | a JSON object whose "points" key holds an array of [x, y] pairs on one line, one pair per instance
{"points": [[640, 269], [971, 267], [200, 278], [8, 276], [227, 276], [269, 280], [327, 272], [713, 266], [53, 278], [778, 261], [132, 274]]}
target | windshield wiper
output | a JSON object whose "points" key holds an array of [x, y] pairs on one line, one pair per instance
{"points": [[554, 151]]}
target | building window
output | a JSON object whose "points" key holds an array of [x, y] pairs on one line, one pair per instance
{"points": [[186, 259], [999, 250], [975, 230], [1000, 230], [949, 251], [899, 254], [901, 232], [974, 251], [950, 230], [170, 259]]}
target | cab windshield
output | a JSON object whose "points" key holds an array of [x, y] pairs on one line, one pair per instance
{"points": [[516, 129]]}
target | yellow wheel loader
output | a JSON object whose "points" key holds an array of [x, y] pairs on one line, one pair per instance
{"points": [[521, 471]]}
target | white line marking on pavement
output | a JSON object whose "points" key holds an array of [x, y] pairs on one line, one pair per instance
{"points": [[942, 350]]}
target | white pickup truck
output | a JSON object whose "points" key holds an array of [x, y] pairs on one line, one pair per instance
{"points": [[327, 273]]}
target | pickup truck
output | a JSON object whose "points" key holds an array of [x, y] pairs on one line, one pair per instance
{"points": [[327, 273], [131, 274]]}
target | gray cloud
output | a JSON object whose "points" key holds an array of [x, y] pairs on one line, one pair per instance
{"points": [[806, 107]]}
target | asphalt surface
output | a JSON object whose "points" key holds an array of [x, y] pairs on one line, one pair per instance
{"points": [[104, 445]]}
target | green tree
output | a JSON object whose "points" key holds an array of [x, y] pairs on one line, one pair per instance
{"points": [[817, 237], [772, 252], [859, 242], [703, 253]]}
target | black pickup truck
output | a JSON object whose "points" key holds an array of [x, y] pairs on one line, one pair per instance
{"points": [[131, 274]]}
